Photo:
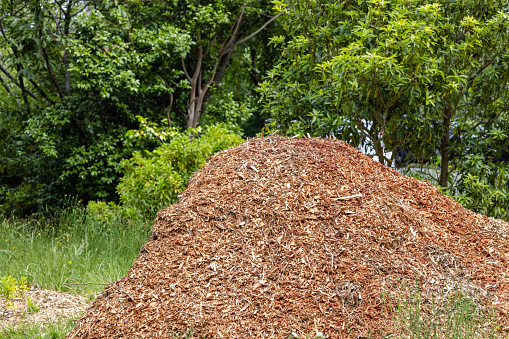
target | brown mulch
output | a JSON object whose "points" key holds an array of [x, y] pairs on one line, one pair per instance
{"points": [[280, 236]]}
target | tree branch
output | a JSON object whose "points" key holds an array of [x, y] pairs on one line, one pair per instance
{"points": [[258, 30], [168, 109], [236, 29], [185, 69], [482, 68], [40, 90], [5, 85], [50, 72], [25, 90], [199, 61]]}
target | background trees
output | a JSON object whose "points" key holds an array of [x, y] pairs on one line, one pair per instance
{"points": [[86, 84], [426, 77], [77, 76]]}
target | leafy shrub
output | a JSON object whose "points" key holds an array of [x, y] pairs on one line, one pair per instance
{"points": [[223, 108], [483, 186], [11, 288], [153, 180]]}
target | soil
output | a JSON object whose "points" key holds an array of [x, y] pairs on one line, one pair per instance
{"points": [[280, 236]]}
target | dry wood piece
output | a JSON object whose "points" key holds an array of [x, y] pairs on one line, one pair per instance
{"points": [[282, 235], [348, 197]]}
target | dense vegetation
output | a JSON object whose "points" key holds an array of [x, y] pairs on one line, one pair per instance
{"points": [[91, 91], [80, 81]]}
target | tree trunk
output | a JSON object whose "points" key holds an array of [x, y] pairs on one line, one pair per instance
{"points": [[196, 102], [444, 168], [199, 91], [191, 108], [67, 30], [379, 150]]}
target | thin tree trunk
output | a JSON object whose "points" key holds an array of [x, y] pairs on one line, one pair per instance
{"points": [[67, 25], [191, 109], [199, 92], [379, 151], [444, 167]]}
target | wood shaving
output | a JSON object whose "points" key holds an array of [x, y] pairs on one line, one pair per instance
{"points": [[283, 236], [53, 306]]}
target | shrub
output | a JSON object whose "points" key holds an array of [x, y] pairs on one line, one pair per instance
{"points": [[10, 289], [153, 180], [483, 186]]}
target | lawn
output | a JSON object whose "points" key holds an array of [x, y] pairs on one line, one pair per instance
{"points": [[68, 249]]}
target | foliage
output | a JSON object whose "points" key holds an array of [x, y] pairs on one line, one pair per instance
{"points": [[81, 96], [246, 67], [217, 28], [391, 74], [154, 179], [484, 173], [479, 177], [77, 77], [483, 187], [427, 78], [11, 288], [32, 306], [224, 109]]}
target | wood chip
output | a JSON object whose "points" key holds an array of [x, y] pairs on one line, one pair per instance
{"points": [[349, 197]]}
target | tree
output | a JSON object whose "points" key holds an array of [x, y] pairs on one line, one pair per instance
{"points": [[217, 28], [86, 73], [71, 66], [389, 74]]}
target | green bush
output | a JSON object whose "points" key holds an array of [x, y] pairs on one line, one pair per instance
{"points": [[10, 288], [223, 108], [153, 180], [483, 186]]}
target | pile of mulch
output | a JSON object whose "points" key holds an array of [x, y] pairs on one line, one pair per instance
{"points": [[281, 235]]}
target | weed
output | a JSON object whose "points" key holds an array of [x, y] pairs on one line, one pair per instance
{"points": [[32, 306], [11, 288], [455, 314]]}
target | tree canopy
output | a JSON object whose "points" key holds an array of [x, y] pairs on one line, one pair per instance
{"points": [[428, 77], [77, 76], [85, 85]]}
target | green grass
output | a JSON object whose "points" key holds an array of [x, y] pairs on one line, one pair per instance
{"points": [[54, 330], [70, 248], [458, 314]]}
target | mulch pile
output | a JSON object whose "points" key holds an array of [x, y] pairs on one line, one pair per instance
{"points": [[282, 235]]}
